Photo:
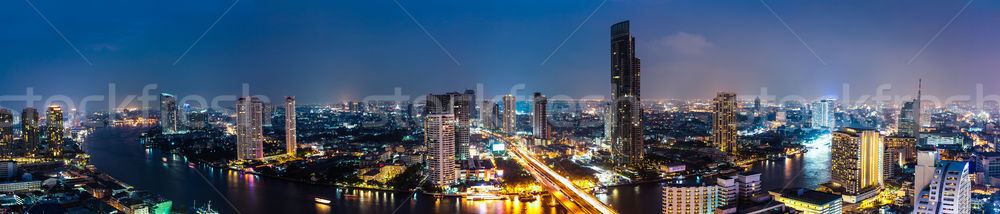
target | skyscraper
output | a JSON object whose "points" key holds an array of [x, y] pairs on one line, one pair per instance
{"points": [[539, 123], [461, 106], [509, 115], [439, 137], [249, 130], [267, 114], [626, 126], [822, 115], [168, 113], [950, 190], [54, 127], [898, 151], [486, 115], [30, 130], [6, 133], [856, 159], [724, 122], [909, 116], [290, 143]]}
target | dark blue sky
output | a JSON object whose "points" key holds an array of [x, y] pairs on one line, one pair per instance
{"points": [[324, 51]]}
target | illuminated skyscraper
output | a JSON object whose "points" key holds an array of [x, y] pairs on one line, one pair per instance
{"points": [[898, 152], [724, 122], [509, 115], [290, 143], [822, 115], [626, 125], [461, 106], [539, 123], [54, 127], [856, 159], [6, 133], [487, 115], [249, 130], [30, 130], [949, 191], [439, 137], [168, 113]]}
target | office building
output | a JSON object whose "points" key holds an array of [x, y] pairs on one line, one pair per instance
{"points": [[809, 201], [7, 145], [290, 141], [249, 129], [910, 116], [822, 115], [690, 198], [509, 115], [54, 127], [927, 159], [30, 131], [439, 137], [899, 151], [487, 115], [856, 159], [461, 105], [949, 191], [626, 127], [539, 123], [168, 114], [724, 122]]}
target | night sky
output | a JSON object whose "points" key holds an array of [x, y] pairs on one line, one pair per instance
{"points": [[326, 51]]}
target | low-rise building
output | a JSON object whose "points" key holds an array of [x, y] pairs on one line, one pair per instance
{"points": [[690, 198], [809, 201]]}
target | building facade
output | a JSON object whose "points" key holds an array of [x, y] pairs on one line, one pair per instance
{"points": [[856, 159], [626, 121], [439, 137], [690, 198], [539, 123], [509, 115], [30, 131], [7, 145], [809, 201], [290, 141], [950, 190], [54, 129], [461, 105], [168, 113], [822, 115], [724, 122], [249, 129]]}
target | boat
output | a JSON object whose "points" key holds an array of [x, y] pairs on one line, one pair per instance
{"points": [[483, 197], [164, 159], [600, 190], [321, 200], [526, 198], [207, 209]]}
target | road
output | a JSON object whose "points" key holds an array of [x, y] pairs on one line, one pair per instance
{"points": [[574, 199]]}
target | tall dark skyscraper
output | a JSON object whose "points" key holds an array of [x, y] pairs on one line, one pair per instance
{"points": [[724, 122], [6, 133], [626, 125], [461, 106], [168, 113], [509, 115], [30, 130], [539, 123], [54, 127], [909, 116]]}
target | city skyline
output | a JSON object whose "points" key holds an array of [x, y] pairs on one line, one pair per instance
{"points": [[681, 41]]}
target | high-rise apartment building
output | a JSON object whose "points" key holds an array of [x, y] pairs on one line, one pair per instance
{"points": [[249, 129], [54, 127], [856, 159], [749, 185], [461, 105], [439, 137], [724, 122], [30, 131], [949, 191], [822, 115], [169, 120], [539, 123], [509, 115], [626, 121], [290, 141], [487, 115], [690, 198], [7, 145]]}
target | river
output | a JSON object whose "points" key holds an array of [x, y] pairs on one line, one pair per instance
{"points": [[116, 152]]}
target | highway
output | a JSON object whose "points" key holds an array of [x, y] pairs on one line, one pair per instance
{"points": [[572, 198]]}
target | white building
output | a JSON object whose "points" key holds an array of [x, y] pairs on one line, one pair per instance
{"points": [[690, 198], [950, 190], [749, 184], [249, 130], [926, 162], [822, 115], [728, 190], [439, 135]]}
